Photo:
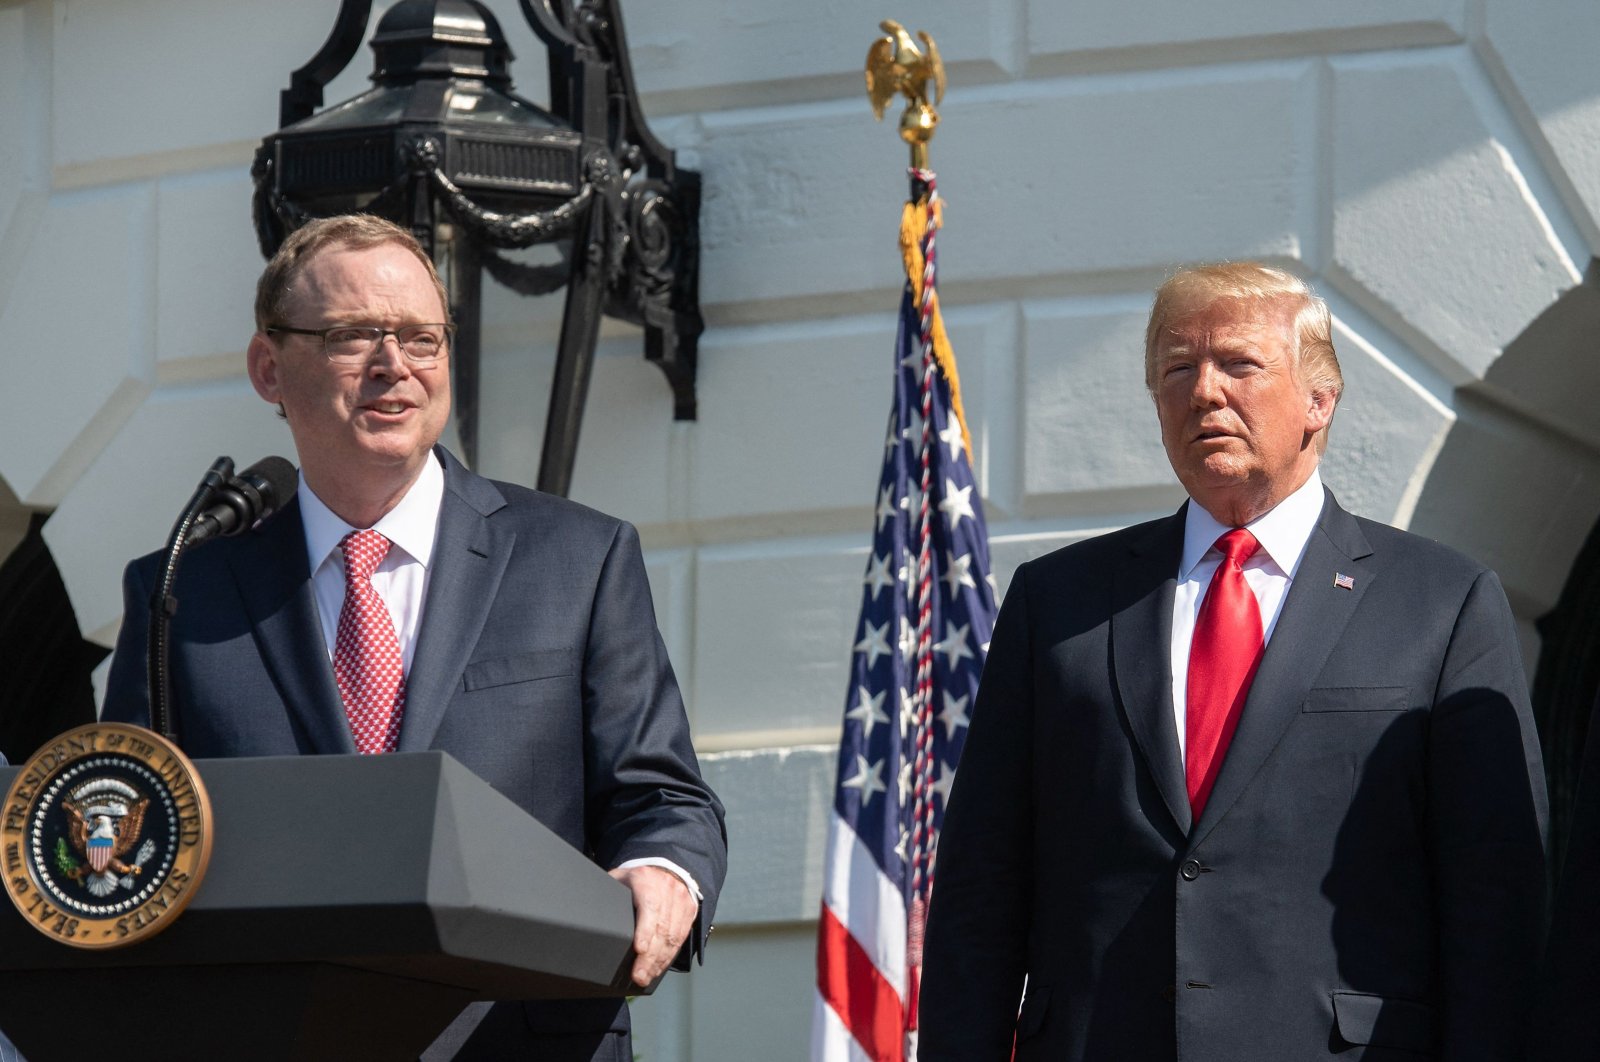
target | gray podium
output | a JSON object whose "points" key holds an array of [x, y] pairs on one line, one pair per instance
{"points": [[352, 907]]}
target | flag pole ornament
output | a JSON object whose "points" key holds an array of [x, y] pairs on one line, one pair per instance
{"points": [[896, 66], [928, 607]]}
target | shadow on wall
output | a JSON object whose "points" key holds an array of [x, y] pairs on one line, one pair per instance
{"points": [[1517, 486], [44, 687]]}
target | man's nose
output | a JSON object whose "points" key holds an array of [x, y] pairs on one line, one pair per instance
{"points": [[1209, 387], [388, 358]]}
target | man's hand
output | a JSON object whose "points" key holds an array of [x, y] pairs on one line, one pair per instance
{"points": [[663, 914]]}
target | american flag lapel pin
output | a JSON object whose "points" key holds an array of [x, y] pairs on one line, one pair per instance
{"points": [[1343, 581]]}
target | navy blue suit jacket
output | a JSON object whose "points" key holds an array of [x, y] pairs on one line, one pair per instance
{"points": [[1367, 877], [1566, 1022], [538, 665]]}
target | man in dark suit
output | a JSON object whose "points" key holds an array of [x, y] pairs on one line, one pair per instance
{"points": [[401, 602], [1270, 793]]}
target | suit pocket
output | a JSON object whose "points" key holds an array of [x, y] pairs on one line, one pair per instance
{"points": [[521, 667], [1034, 1007], [1383, 1021], [1358, 699]]}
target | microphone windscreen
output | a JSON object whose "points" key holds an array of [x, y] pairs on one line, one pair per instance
{"points": [[275, 479]]}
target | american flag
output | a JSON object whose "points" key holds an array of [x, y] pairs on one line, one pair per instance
{"points": [[927, 613]]}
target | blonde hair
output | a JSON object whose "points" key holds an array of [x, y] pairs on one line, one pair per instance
{"points": [[1192, 290], [353, 231]]}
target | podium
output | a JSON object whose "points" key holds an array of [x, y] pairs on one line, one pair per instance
{"points": [[352, 907]]}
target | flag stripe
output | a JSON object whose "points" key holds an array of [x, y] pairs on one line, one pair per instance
{"points": [[833, 1042], [859, 896], [853, 988]]}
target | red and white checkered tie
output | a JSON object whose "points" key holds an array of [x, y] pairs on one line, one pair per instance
{"points": [[366, 653]]}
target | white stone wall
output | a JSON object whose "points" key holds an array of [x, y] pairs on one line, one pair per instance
{"points": [[1433, 166]]}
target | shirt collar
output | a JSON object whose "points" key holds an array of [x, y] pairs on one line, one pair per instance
{"points": [[1283, 531], [411, 525]]}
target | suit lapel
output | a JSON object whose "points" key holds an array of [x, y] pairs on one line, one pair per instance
{"points": [[273, 577], [1313, 619], [1141, 634], [469, 558]]}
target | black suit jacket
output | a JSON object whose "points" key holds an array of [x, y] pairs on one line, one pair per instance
{"points": [[538, 665], [1566, 1023], [1367, 879]]}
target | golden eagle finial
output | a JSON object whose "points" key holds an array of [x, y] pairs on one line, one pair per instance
{"points": [[896, 65]]}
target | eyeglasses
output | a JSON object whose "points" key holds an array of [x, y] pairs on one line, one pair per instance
{"points": [[422, 343]]}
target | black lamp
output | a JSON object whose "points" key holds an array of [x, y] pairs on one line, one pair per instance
{"points": [[442, 145]]}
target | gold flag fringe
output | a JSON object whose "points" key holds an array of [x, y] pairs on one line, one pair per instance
{"points": [[913, 226]]}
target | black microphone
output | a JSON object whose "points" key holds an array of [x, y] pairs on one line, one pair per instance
{"points": [[251, 496]]}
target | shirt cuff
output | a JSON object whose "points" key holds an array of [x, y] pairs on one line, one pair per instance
{"points": [[667, 865]]}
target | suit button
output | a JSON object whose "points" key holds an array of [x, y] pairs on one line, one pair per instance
{"points": [[1190, 869], [1170, 993]]}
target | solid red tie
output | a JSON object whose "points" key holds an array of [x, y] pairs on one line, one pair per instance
{"points": [[366, 653], [1222, 661]]}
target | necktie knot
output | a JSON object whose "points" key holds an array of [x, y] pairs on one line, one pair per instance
{"points": [[363, 552], [1237, 546]]}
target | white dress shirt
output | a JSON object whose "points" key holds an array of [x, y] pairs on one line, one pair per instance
{"points": [[401, 580], [1283, 533]]}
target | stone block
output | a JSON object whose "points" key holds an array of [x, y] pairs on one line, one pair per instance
{"points": [[24, 104], [1248, 25], [770, 50], [792, 416], [513, 402], [671, 574], [805, 203], [1090, 423], [1513, 496], [628, 460], [1384, 432], [774, 623], [630, 457], [205, 287], [1430, 217], [1550, 369], [755, 1002], [79, 314], [221, 69], [123, 504], [1545, 53], [778, 803], [798, 203], [1105, 190]]}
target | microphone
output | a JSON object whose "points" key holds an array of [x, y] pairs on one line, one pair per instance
{"points": [[251, 496]]}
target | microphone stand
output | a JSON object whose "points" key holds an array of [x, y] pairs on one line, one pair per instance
{"points": [[163, 605]]}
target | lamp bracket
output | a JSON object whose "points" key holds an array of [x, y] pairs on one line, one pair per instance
{"points": [[304, 94]]}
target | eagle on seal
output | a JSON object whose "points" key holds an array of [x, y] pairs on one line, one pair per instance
{"points": [[103, 842]]}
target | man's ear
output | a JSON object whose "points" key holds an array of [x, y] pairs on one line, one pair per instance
{"points": [[262, 362], [1319, 410]]}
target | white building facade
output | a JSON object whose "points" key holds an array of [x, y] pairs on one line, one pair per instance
{"points": [[1431, 166]]}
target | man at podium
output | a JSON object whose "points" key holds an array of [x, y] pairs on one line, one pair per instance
{"points": [[402, 603]]}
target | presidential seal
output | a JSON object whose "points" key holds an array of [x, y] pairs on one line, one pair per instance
{"points": [[105, 835]]}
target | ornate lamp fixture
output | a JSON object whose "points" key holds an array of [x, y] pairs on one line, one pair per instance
{"points": [[443, 146]]}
